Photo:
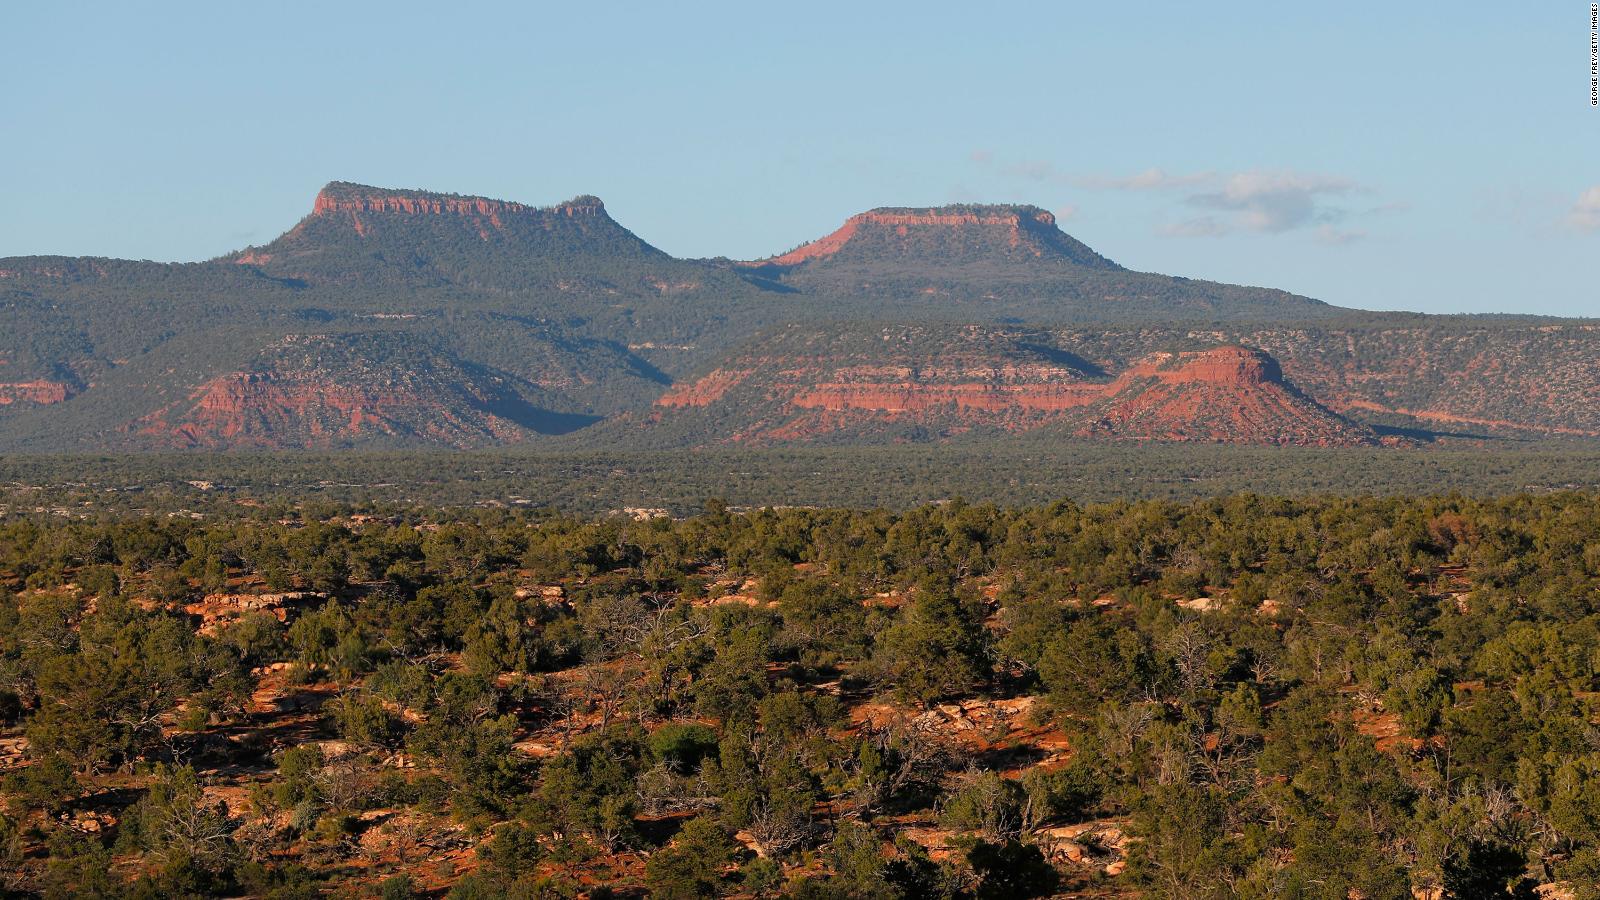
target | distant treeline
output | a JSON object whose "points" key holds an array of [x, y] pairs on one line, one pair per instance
{"points": [[678, 482]]}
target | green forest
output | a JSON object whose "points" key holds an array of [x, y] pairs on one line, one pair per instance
{"points": [[1239, 696], [1028, 471]]}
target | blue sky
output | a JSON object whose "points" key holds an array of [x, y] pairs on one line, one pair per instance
{"points": [[1438, 157]]}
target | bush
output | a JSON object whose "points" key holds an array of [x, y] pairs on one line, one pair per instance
{"points": [[682, 745], [691, 866], [1010, 870]]}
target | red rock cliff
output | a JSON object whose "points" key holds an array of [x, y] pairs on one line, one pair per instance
{"points": [[337, 198], [354, 201], [936, 232], [1232, 365], [42, 393], [1230, 394]]}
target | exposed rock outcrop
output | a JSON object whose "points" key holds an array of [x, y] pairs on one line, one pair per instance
{"points": [[406, 239], [703, 391], [911, 397], [1228, 394], [39, 393], [336, 390], [942, 234], [354, 199], [1224, 395]]}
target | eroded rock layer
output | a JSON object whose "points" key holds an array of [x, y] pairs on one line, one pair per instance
{"points": [[944, 233], [314, 391], [1007, 381], [1228, 394]]}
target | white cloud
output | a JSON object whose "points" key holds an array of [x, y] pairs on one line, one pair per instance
{"points": [[1274, 202], [1585, 213], [1259, 201], [1066, 212]]}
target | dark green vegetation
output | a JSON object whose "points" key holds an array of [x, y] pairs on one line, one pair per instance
{"points": [[397, 319], [896, 477], [1236, 697]]}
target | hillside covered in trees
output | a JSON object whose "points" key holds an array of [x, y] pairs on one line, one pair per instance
{"points": [[1245, 696]]}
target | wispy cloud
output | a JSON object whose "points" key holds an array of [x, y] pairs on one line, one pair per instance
{"points": [[1254, 201], [1275, 202], [1585, 213]]}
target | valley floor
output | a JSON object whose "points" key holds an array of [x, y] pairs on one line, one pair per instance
{"points": [[678, 482]]}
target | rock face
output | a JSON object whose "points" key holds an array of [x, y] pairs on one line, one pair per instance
{"points": [[983, 261], [1226, 366], [360, 235], [260, 408], [317, 391], [942, 235], [1295, 384], [705, 390], [1228, 394], [41, 393], [1009, 383], [52, 268], [910, 397], [353, 201]]}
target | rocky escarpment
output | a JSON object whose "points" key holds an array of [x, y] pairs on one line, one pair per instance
{"points": [[942, 235], [41, 393], [1032, 395], [353, 202], [261, 408], [1005, 260], [1009, 383], [52, 268], [1228, 394], [313, 391], [898, 389], [1526, 379], [359, 234], [796, 385]]}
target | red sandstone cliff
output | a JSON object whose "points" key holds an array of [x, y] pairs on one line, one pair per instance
{"points": [[352, 201], [1009, 223], [1226, 394], [937, 236], [256, 409], [42, 393], [336, 390]]}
